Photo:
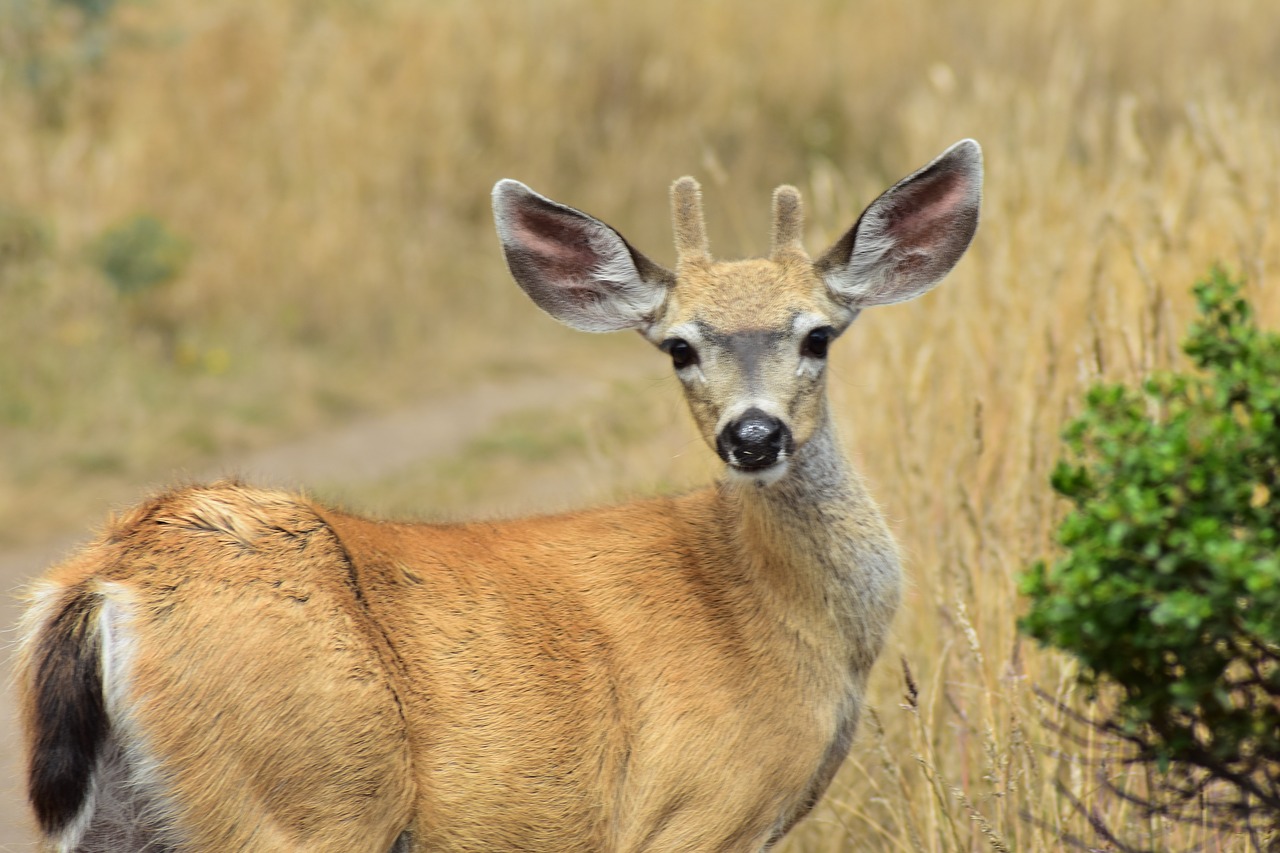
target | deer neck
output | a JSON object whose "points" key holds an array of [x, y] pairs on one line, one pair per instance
{"points": [[818, 548]]}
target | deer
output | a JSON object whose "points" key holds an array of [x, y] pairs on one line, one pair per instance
{"points": [[229, 668]]}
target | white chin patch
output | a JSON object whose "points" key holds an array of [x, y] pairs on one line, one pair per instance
{"points": [[762, 477]]}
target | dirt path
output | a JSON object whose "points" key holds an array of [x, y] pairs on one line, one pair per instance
{"points": [[360, 452]]}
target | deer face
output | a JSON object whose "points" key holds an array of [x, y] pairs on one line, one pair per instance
{"points": [[748, 339]]}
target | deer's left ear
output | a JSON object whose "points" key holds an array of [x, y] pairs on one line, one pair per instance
{"points": [[912, 235], [575, 267]]}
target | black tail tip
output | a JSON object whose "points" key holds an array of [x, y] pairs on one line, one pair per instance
{"points": [[68, 717]]}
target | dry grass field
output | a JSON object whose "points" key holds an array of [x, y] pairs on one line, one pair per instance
{"points": [[322, 168]]}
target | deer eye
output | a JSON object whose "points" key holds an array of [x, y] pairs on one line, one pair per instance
{"points": [[681, 352], [816, 342]]}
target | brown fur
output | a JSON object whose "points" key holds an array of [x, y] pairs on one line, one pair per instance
{"points": [[677, 674]]}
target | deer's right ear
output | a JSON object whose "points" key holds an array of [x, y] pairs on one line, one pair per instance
{"points": [[575, 267]]}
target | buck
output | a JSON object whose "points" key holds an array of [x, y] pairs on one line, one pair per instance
{"points": [[227, 668]]}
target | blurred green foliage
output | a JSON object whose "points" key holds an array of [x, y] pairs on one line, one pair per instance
{"points": [[92, 10], [23, 239], [1169, 587], [53, 43], [140, 254]]}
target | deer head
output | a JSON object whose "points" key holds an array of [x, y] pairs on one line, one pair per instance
{"points": [[748, 339]]}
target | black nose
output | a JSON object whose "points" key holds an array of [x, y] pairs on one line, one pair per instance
{"points": [[753, 441]]}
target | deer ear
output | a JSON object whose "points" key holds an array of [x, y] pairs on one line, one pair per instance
{"points": [[912, 235], [575, 267]]}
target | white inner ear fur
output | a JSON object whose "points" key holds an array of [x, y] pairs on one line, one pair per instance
{"points": [[630, 293], [867, 278]]}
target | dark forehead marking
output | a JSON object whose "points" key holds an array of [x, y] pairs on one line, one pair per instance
{"points": [[749, 346], [715, 336]]}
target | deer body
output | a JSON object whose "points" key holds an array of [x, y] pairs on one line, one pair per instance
{"points": [[234, 669]]}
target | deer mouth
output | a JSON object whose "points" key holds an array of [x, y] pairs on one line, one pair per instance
{"points": [[759, 476]]}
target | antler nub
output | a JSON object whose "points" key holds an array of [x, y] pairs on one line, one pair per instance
{"points": [[788, 222], [686, 217]]}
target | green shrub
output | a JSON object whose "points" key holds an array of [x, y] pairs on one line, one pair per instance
{"points": [[139, 255], [1169, 587]]}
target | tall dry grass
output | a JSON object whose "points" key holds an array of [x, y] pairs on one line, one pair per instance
{"points": [[329, 163]]}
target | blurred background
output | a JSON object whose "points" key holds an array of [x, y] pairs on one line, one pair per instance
{"points": [[255, 238]]}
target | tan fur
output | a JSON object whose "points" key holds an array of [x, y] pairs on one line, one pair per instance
{"points": [[677, 674], [257, 684], [788, 224], [612, 679], [687, 219]]}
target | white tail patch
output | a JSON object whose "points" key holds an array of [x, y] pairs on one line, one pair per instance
{"points": [[118, 649], [125, 809]]}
